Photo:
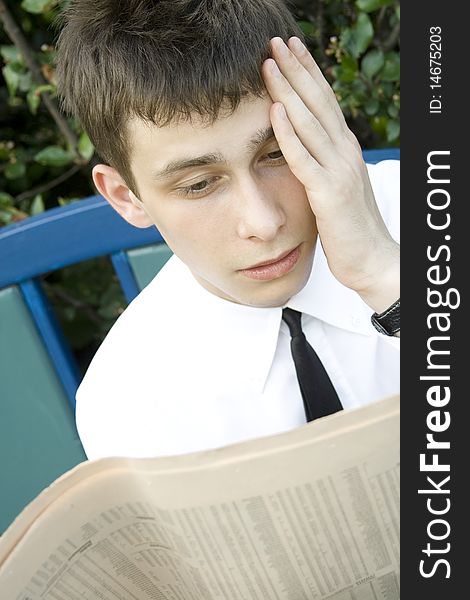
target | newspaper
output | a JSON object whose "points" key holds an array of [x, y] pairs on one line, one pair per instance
{"points": [[308, 514]]}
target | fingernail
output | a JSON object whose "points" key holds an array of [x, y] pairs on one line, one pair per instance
{"points": [[274, 68], [282, 111], [282, 48], [297, 45]]}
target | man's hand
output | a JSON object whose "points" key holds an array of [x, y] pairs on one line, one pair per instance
{"points": [[326, 158]]}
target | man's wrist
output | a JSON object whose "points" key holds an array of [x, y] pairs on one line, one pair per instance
{"points": [[385, 289]]}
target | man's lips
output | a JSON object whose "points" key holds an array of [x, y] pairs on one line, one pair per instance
{"points": [[270, 262], [274, 268]]}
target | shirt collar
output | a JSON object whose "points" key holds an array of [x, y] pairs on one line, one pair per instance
{"points": [[325, 298]]}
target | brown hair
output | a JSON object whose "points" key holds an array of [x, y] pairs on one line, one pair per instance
{"points": [[161, 60]]}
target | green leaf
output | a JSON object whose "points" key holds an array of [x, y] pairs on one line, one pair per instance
{"points": [[66, 201], [5, 199], [379, 125], [372, 62], [46, 87], [5, 217], [391, 69], [356, 100], [37, 205], [15, 170], [347, 70], [12, 78], [25, 82], [54, 156], [358, 85], [15, 101], [36, 7], [370, 5], [308, 28], [371, 107], [4, 153], [85, 147], [11, 54], [34, 100], [357, 38], [34, 96], [392, 111], [393, 130]]}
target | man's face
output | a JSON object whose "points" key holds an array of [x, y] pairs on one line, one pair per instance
{"points": [[225, 201]]}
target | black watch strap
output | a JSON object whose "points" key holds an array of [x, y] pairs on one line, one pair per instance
{"points": [[388, 322]]}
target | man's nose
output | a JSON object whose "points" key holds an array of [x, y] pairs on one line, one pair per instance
{"points": [[260, 215]]}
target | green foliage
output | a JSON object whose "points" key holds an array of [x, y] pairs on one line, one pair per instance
{"points": [[87, 299], [54, 156], [372, 63], [354, 42], [85, 147], [37, 7], [356, 39], [35, 159], [371, 5]]}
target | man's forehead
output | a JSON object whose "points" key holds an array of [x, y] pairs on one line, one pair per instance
{"points": [[249, 111], [247, 128]]}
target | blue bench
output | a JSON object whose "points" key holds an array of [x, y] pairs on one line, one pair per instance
{"points": [[38, 373]]}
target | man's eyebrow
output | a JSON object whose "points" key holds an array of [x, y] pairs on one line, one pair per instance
{"points": [[261, 137], [185, 163]]}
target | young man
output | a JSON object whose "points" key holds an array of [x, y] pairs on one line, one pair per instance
{"points": [[231, 142]]}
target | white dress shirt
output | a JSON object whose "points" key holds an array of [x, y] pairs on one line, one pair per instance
{"points": [[184, 370]]}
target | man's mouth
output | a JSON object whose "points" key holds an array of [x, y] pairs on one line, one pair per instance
{"points": [[273, 268]]}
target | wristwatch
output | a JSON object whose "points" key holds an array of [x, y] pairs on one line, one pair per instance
{"points": [[388, 322]]}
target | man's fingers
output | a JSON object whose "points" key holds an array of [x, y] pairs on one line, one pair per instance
{"points": [[306, 60], [310, 89], [301, 162], [307, 127]]}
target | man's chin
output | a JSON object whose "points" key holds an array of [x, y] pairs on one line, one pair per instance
{"points": [[267, 300], [277, 292]]}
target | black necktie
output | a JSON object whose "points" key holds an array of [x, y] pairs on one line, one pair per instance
{"points": [[319, 395]]}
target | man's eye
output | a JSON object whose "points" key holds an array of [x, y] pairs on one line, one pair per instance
{"points": [[275, 156], [198, 188]]}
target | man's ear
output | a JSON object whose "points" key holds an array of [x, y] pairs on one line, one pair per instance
{"points": [[113, 187]]}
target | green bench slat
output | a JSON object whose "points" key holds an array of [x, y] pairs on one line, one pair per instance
{"points": [[38, 438], [147, 261]]}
